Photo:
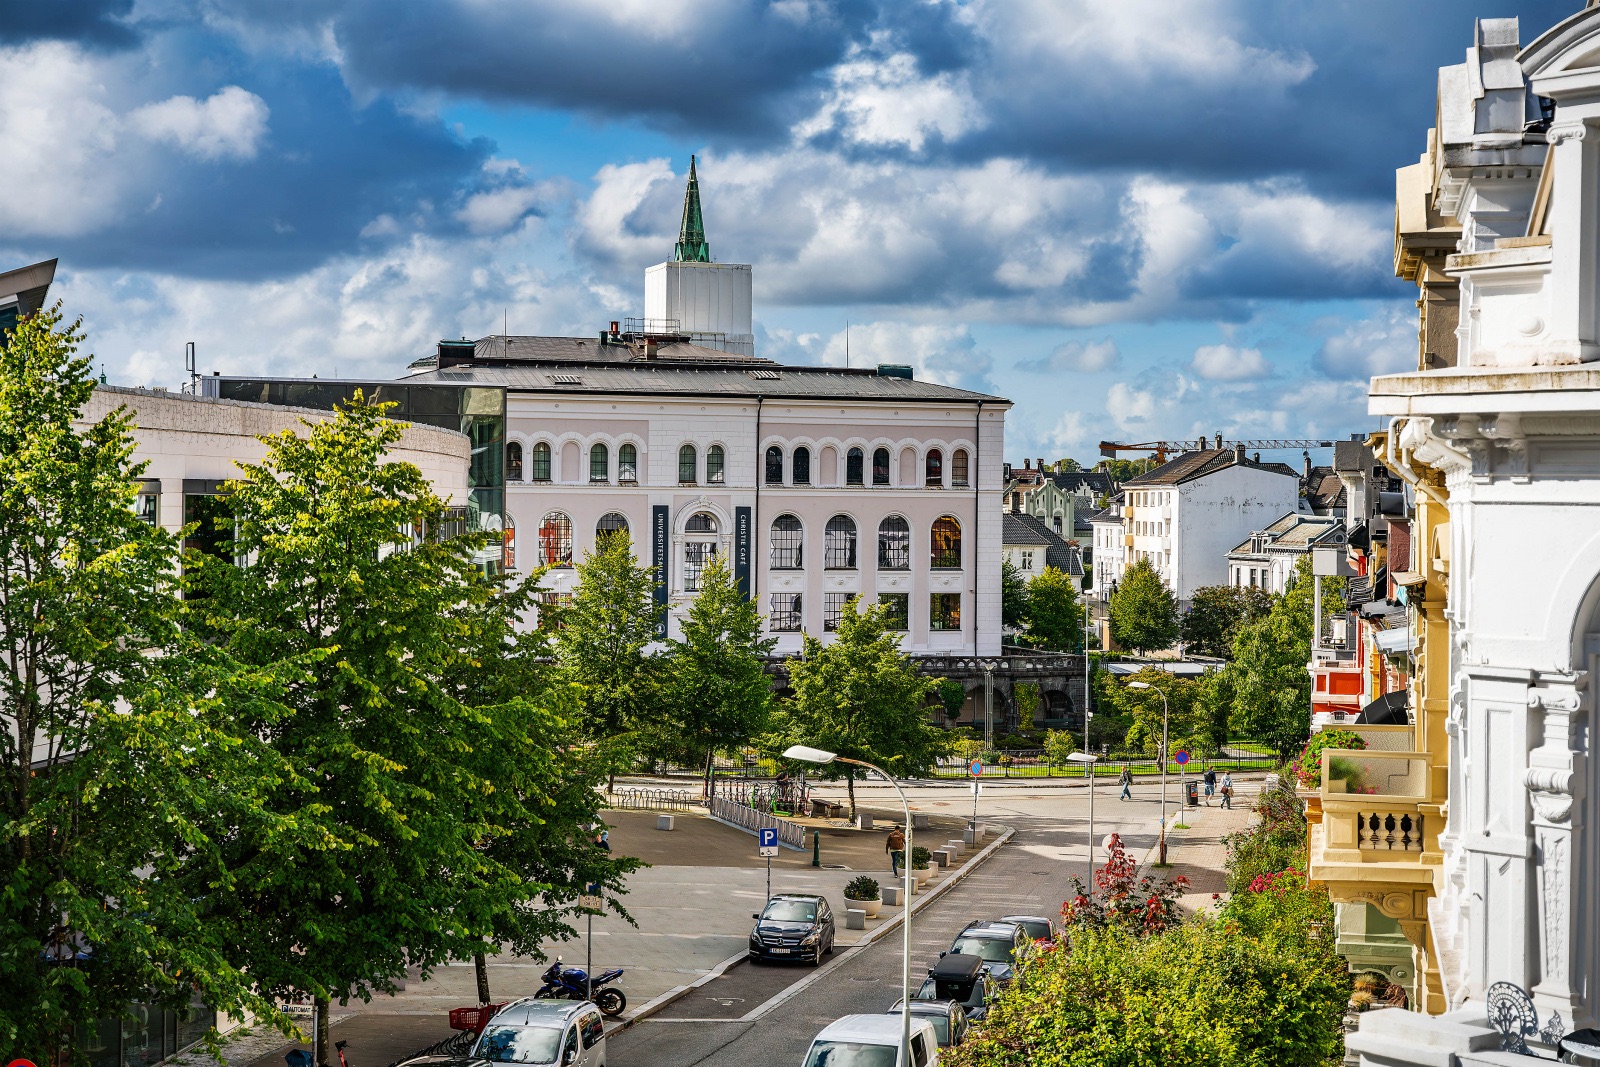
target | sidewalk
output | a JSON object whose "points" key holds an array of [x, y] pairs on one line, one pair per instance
{"points": [[1198, 853]]}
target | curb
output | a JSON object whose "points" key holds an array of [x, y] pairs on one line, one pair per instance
{"points": [[921, 901]]}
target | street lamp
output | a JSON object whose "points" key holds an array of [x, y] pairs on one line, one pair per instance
{"points": [[1147, 685], [818, 755], [1084, 757]]}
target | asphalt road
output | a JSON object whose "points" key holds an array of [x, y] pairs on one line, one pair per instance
{"points": [[1029, 875]]}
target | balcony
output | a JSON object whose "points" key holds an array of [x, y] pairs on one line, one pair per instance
{"points": [[1378, 819]]}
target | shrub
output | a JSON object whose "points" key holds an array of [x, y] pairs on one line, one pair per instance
{"points": [[1309, 767], [920, 858], [1275, 842], [1143, 906], [861, 887]]}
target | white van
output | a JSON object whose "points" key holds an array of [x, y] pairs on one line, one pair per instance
{"points": [[873, 1041], [560, 1033]]}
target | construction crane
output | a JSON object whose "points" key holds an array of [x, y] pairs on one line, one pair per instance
{"points": [[1109, 449]]}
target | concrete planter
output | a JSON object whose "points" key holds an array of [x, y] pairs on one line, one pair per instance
{"points": [[922, 876], [869, 906]]}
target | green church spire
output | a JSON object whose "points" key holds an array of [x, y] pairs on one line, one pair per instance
{"points": [[692, 247]]}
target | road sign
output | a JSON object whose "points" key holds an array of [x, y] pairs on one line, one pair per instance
{"points": [[767, 838], [591, 903], [1181, 757], [975, 768]]}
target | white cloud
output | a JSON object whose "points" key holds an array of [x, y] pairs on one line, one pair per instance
{"points": [[1386, 343], [1226, 363], [498, 210], [1129, 407], [1083, 356], [230, 124], [943, 353], [885, 101]]}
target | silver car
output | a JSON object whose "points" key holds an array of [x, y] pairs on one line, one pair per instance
{"points": [[546, 1033]]}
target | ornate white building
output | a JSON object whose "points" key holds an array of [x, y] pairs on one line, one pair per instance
{"points": [[1512, 434]]}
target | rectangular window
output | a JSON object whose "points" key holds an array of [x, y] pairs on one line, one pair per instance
{"points": [[714, 465], [147, 506], [539, 463], [1027, 561], [599, 465], [627, 464], [833, 605], [958, 467], [686, 465], [785, 614], [214, 522], [854, 467], [896, 610], [944, 611], [696, 554]]}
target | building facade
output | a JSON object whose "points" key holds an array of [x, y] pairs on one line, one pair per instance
{"points": [[1268, 557]]}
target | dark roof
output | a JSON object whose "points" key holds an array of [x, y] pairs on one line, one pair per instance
{"points": [[28, 284], [1072, 481], [735, 377], [1028, 530], [1323, 490], [1198, 464]]}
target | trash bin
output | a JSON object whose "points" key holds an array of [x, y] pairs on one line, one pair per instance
{"points": [[1191, 793], [1580, 1046]]}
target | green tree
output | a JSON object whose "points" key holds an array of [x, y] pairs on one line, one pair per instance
{"points": [[860, 696], [120, 760], [600, 643], [717, 688], [1216, 612], [953, 697], [1013, 595], [348, 584], [1027, 700], [1055, 618], [1187, 723], [1144, 616], [1058, 745], [1120, 470]]}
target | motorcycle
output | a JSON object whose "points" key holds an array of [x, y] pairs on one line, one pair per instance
{"points": [[573, 983]]}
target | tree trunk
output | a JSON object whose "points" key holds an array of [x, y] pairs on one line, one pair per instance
{"points": [[481, 965], [850, 784], [711, 779], [319, 1040]]}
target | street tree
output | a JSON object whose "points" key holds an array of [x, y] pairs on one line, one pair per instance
{"points": [[863, 698], [1055, 617], [1187, 725], [337, 569], [716, 687], [1144, 615], [1216, 612], [1013, 595], [120, 760]]}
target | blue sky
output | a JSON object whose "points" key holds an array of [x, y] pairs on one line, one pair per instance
{"points": [[1141, 219]]}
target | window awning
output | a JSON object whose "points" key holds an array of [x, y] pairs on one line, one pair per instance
{"points": [[1391, 642], [1388, 710]]}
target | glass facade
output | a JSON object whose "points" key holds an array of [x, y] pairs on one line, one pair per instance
{"points": [[148, 1036]]}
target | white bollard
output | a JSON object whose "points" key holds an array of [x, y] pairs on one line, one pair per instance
{"points": [[855, 919], [864, 820], [666, 822]]}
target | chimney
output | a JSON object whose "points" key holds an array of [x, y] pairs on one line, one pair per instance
{"points": [[1219, 441], [614, 327], [1255, 457], [1027, 464], [1306, 465], [1041, 463], [1238, 450], [650, 348]]}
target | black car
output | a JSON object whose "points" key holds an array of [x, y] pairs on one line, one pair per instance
{"points": [[949, 1018], [962, 979], [793, 926], [998, 944]]}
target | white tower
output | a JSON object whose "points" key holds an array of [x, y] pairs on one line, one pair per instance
{"points": [[709, 302]]}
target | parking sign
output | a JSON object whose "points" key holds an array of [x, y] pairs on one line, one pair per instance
{"points": [[767, 838]]}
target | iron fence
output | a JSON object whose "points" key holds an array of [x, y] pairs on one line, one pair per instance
{"points": [[652, 800]]}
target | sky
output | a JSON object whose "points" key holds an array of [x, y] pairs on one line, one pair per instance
{"points": [[1138, 219]]}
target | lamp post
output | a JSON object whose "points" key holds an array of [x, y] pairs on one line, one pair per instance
{"points": [[1147, 685], [1084, 757], [817, 755]]}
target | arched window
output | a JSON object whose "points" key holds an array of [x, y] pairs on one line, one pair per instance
{"points": [[699, 548], [854, 461], [687, 464], [839, 543], [539, 467], [802, 466], [894, 544], [599, 463], [555, 540], [774, 465], [945, 547], [958, 467], [714, 460], [513, 462], [627, 464], [612, 522], [788, 538], [934, 469], [880, 466]]}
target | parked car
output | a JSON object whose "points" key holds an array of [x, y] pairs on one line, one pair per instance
{"points": [[560, 1032], [872, 1041], [998, 944], [949, 1019], [963, 980], [1037, 927], [793, 926]]}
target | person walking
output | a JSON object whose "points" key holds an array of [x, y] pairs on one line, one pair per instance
{"points": [[895, 846], [1211, 784], [1126, 778], [1227, 790]]}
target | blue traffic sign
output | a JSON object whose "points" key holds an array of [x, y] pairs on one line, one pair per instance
{"points": [[975, 768], [768, 837], [1181, 758]]}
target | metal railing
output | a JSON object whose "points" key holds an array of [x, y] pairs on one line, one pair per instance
{"points": [[652, 800], [748, 818]]}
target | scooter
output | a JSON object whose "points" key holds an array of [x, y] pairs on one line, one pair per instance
{"points": [[572, 983]]}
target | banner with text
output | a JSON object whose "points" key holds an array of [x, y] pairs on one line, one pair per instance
{"points": [[659, 544], [741, 550]]}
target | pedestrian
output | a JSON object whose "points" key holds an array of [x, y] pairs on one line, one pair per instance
{"points": [[1126, 778], [896, 848], [602, 840], [1211, 784], [1227, 790]]}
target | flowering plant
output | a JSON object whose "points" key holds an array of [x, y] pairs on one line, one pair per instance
{"points": [[1142, 905]]}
